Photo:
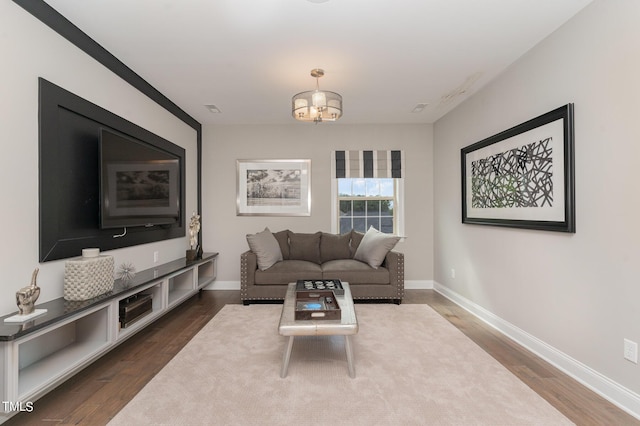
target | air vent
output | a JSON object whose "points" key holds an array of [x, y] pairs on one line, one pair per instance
{"points": [[418, 108]]}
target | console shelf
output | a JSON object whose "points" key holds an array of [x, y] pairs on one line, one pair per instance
{"points": [[37, 355], [181, 286], [158, 307]]}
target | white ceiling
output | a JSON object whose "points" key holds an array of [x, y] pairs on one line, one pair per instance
{"points": [[249, 57]]}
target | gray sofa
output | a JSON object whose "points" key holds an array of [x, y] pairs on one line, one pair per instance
{"points": [[322, 256]]}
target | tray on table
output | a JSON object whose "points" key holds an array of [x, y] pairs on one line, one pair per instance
{"points": [[317, 305], [332, 285]]}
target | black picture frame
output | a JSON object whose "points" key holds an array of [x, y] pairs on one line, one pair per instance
{"points": [[523, 177]]}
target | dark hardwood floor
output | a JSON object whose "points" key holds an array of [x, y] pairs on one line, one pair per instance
{"points": [[96, 394]]}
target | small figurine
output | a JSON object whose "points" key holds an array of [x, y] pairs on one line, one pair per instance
{"points": [[26, 297], [194, 228]]}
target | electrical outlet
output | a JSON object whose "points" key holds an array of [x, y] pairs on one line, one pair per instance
{"points": [[155, 257], [453, 273], [631, 351]]}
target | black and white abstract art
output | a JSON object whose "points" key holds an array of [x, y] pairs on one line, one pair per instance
{"points": [[522, 177]]}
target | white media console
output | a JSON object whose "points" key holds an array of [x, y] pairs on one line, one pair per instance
{"points": [[38, 355]]}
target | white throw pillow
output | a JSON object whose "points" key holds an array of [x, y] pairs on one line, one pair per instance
{"points": [[266, 248], [374, 247]]}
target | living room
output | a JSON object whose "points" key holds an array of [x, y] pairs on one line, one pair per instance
{"points": [[571, 298]]}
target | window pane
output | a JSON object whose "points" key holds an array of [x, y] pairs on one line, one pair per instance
{"points": [[386, 187], [345, 208], [358, 207], [373, 221], [344, 187], [386, 225], [373, 208], [359, 224], [345, 224], [386, 208], [373, 188], [358, 187]]}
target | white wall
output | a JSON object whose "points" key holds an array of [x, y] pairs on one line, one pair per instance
{"points": [[29, 50], [578, 293], [225, 232]]}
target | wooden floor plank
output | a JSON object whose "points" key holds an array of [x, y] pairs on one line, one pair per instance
{"points": [[97, 393]]}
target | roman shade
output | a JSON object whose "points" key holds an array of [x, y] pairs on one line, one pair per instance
{"points": [[367, 164]]}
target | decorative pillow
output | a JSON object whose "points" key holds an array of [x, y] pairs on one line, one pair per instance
{"points": [[374, 247], [304, 246], [266, 248], [283, 240], [334, 246], [356, 238]]}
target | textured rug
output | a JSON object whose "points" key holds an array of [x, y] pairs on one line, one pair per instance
{"points": [[412, 368]]}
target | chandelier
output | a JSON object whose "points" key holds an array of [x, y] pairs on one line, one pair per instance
{"points": [[316, 105]]}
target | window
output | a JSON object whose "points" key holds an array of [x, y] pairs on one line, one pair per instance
{"points": [[365, 202], [367, 190]]}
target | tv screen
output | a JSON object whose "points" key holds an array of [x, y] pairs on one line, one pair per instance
{"points": [[139, 183]]}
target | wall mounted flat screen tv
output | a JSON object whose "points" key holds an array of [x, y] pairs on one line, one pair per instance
{"points": [[139, 183]]}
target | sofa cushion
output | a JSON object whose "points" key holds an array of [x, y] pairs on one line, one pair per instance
{"points": [[354, 272], [356, 238], [374, 247], [334, 246], [304, 246], [266, 248], [283, 240], [289, 271]]}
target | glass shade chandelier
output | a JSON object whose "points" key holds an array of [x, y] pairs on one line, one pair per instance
{"points": [[316, 105]]}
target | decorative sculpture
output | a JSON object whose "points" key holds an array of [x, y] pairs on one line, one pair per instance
{"points": [[126, 272], [194, 227], [26, 297]]}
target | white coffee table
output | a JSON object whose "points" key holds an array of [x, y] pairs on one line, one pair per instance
{"points": [[346, 326]]}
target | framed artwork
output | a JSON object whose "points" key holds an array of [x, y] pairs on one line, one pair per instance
{"points": [[523, 177], [273, 188]]}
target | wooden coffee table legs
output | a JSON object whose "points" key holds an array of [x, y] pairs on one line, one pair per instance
{"points": [[347, 346]]}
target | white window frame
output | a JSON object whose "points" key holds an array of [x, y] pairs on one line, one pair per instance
{"points": [[398, 207]]}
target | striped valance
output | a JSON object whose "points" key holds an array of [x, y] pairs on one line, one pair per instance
{"points": [[368, 164]]}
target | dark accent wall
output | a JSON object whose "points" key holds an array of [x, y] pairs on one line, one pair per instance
{"points": [[69, 180], [50, 17]]}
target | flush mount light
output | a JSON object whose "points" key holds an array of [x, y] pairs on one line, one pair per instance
{"points": [[213, 109], [316, 105]]}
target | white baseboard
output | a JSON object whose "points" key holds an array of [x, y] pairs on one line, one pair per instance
{"points": [[617, 394]]}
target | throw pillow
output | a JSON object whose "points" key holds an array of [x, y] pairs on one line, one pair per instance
{"points": [[304, 246], [356, 238], [374, 247], [283, 240], [334, 246], [266, 248]]}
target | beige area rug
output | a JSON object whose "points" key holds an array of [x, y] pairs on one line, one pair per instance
{"points": [[412, 368]]}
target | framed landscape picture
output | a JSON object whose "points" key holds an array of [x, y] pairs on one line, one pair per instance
{"points": [[524, 176], [273, 188]]}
